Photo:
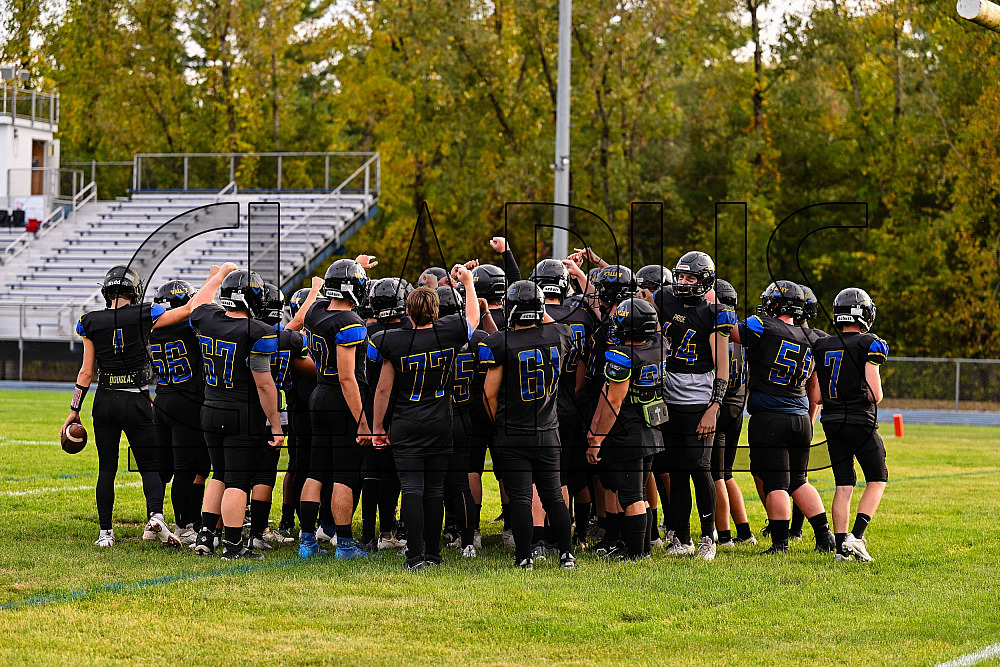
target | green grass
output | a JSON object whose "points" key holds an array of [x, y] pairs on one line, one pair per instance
{"points": [[930, 596]]}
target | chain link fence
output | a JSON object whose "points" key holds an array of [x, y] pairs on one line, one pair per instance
{"points": [[929, 383]]}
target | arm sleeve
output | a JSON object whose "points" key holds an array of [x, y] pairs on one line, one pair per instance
{"points": [[486, 357], [878, 351], [352, 334], [260, 363], [510, 267], [725, 320]]}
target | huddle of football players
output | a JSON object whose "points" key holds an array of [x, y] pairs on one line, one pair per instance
{"points": [[599, 397]]}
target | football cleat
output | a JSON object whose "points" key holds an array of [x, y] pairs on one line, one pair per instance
{"points": [[677, 548], [616, 550], [856, 546], [416, 566], [469, 552], [795, 537], [657, 543], [455, 543], [349, 549], [237, 551], [390, 541], [826, 542], [749, 540], [433, 561], [452, 538], [308, 546], [258, 542], [276, 537], [726, 544], [159, 528], [538, 552], [323, 536], [205, 543], [706, 549], [477, 541], [106, 538], [507, 538], [841, 558], [775, 549], [526, 564], [567, 560], [285, 533], [187, 535]]}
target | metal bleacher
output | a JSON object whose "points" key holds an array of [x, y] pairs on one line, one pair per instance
{"points": [[57, 277]]}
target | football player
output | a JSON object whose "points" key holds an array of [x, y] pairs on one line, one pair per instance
{"points": [[524, 364], [183, 455], [632, 409], [336, 335], [115, 343], [780, 365], [418, 361], [728, 496], [653, 277], [240, 415], [694, 387], [850, 387]]}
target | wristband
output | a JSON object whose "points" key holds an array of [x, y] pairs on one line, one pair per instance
{"points": [[718, 391], [79, 393]]}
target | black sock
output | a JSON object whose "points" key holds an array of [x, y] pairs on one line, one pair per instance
{"points": [[287, 516], [369, 508], [634, 532], [704, 492], [234, 535], [582, 518], [779, 532], [743, 531], [180, 497], [840, 537], [602, 522], [795, 528], [465, 512], [725, 535], [308, 510], [194, 504], [326, 504], [819, 523], [260, 512], [860, 523], [388, 494], [537, 534], [209, 520], [344, 531], [651, 528], [614, 531], [504, 511], [477, 513], [411, 511]]}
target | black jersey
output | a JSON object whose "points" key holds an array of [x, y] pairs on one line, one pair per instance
{"points": [[581, 320], [736, 391], [291, 346], [644, 365], [499, 318], [119, 336], [532, 360], [814, 334], [780, 362], [226, 345], [176, 356], [840, 365], [689, 330], [422, 360], [594, 356], [325, 330], [373, 369], [469, 375]]}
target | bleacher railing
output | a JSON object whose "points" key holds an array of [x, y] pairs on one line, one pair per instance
{"points": [[29, 106], [59, 213], [288, 171]]}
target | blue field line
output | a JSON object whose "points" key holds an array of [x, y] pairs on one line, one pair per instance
{"points": [[35, 478], [118, 588]]}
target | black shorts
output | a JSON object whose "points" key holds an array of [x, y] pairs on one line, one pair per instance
{"points": [[179, 438], [573, 467], [779, 449], [335, 454], [235, 435], [847, 442], [626, 478], [727, 439], [297, 440], [683, 450]]}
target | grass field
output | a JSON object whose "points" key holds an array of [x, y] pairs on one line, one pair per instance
{"points": [[931, 595]]}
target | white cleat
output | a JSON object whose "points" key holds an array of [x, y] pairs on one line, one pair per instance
{"points": [[390, 541], [706, 549], [477, 541], [159, 528], [507, 537], [276, 538], [856, 546], [678, 549], [187, 535], [842, 558], [321, 536], [469, 552], [106, 539], [657, 543]]}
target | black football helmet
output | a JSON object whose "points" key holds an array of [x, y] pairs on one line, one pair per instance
{"points": [[615, 283], [435, 271], [450, 301], [553, 277], [725, 293], [121, 281], [243, 290], [345, 279], [635, 320], [782, 297], [699, 265], [296, 300], [810, 305], [653, 277], [174, 293], [387, 298], [854, 306], [490, 281], [274, 304], [524, 303]]}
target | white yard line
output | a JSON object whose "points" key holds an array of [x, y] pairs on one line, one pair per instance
{"points": [[53, 489], [973, 658]]}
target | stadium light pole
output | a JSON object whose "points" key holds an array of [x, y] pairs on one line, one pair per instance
{"points": [[981, 12], [560, 236]]}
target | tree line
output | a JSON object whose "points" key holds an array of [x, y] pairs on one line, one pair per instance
{"points": [[889, 108]]}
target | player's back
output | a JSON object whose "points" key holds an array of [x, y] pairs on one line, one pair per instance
{"points": [[120, 336], [176, 356], [327, 329], [840, 367], [226, 345]]}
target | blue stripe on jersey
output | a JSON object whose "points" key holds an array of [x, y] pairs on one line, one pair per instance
{"points": [[725, 317], [373, 354], [277, 326], [266, 345], [878, 352], [352, 334], [755, 325], [616, 357], [486, 354], [79, 328], [156, 310]]}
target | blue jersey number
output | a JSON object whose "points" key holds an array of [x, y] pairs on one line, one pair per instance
{"points": [[686, 350], [419, 364], [118, 341], [788, 369], [321, 353], [173, 366], [465, 372], [834, 359], [279, 367], [217, 350], [531, 369]]}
